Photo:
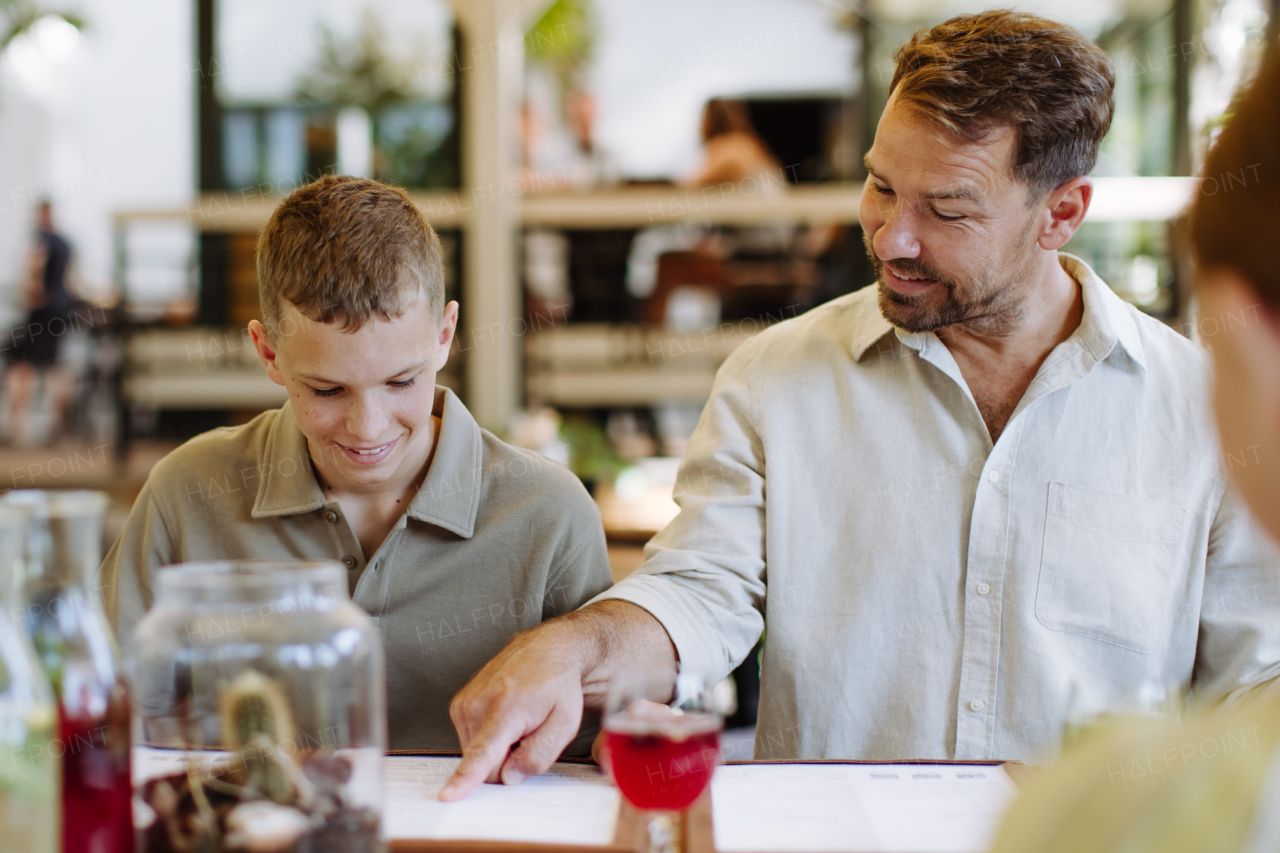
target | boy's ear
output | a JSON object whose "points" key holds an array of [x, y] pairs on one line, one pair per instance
{"points": [[266, 351], [448, 328]]}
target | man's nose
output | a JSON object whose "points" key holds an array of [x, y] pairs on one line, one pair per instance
{"points": [[895, 238]]}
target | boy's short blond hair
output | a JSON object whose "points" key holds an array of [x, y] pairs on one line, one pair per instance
{"points": [[346, 249]]}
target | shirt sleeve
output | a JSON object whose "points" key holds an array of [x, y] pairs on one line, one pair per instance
{"points": [[583, 570], [1239, 643], [579, 570], [142, 548], [704, 574]]}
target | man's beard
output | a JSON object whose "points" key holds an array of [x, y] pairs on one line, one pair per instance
{"points": [[991, 303]]}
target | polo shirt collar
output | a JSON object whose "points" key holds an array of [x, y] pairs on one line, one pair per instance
{"points": [[288, 483], [449, 496], [1107, 320]]}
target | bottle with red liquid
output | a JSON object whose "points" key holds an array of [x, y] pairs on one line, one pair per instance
{"points": [[75, 646]]}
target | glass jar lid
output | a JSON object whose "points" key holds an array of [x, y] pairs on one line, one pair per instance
{"points": [[252, 580]]}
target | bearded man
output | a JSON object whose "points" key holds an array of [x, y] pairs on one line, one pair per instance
{"points": [[954, 498]]}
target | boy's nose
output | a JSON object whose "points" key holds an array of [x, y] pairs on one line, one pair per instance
{"points": [[365, 422]]}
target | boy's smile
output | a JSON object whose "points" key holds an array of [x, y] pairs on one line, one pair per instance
{"points": [[362, 398]]}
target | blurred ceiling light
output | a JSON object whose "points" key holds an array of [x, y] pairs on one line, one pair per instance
{"points": [[43, 59]]}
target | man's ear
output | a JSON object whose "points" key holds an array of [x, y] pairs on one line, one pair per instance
{"points": [[1066, 207], [266, 352], [444, 341]]}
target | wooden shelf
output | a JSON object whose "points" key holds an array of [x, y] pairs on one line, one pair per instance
{"points": [[725, 204], [743, 203]]}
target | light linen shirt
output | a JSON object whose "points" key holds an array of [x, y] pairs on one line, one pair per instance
{"points": [[929, 594]]}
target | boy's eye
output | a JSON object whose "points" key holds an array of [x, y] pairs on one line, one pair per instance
{"points": [[404, 383], [325, 392], [883, 190]]}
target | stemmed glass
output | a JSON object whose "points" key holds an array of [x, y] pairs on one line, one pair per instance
{"points": [[662, 738]]}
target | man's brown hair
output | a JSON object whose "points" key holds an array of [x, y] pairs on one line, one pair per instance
{"points": [[1235, 221], [977, 73], [347, 249]]}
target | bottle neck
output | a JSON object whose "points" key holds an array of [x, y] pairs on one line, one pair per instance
{"points": [[65, 551]]}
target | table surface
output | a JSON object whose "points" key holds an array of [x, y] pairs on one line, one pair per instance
{"points": [[802, 821]]}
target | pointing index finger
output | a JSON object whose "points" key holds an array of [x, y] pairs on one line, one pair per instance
{"points": [[486, 752]]}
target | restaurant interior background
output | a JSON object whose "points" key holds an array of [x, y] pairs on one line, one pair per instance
{"points": [[603, 271]]}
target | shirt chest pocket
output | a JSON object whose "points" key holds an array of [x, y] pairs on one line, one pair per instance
{"points": [[1108, 565]]}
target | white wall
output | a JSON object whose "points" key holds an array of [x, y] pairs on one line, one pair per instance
{"points": [[658, 61], [120, 136]]}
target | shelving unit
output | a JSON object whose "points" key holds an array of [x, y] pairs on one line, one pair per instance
{"points": [[579, 365]]}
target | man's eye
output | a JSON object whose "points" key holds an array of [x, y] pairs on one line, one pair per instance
{"points": [[325, 392], [945, 218], [404, 383]]}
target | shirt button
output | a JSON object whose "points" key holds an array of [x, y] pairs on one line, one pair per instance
{"points": [[976, 704], [994, 476], [349, 562], [983, 589], [331, 516]]}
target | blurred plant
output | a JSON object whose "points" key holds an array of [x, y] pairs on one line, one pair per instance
{"points": [[414, 141], [564, 40], [412, 146], [19, 16], [591, 455], [358, 72]]}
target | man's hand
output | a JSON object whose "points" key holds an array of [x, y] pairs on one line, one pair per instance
{"points": [[531, 695]]}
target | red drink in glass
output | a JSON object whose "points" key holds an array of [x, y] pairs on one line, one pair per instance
{"points": [[663, 765]]}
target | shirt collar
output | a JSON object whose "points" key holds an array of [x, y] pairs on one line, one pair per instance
{"points": [[287, 484], [1107, 320], [449, 496], [869, 325]]}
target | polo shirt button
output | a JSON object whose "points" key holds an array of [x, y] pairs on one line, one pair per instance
{"points": [[349, 562], [994, 476], [331, 516], [976, 704], [983, 589]]}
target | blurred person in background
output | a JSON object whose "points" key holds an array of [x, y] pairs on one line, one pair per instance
{"points": [[734, 151], [1214, 784], [34, 346]]}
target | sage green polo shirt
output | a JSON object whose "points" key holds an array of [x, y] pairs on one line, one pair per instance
{"points": [[496, 540]]}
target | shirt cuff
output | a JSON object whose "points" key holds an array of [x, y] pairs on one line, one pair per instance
{"points": [[663, 602]]}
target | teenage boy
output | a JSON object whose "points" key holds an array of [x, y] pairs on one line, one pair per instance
{"points": [[453, 541]]}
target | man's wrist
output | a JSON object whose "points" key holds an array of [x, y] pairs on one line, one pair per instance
{"points": [[583, 636]]}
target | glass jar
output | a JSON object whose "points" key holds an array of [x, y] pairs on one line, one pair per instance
{"points": [[259, 695], [75, 647], [29, 764]]}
